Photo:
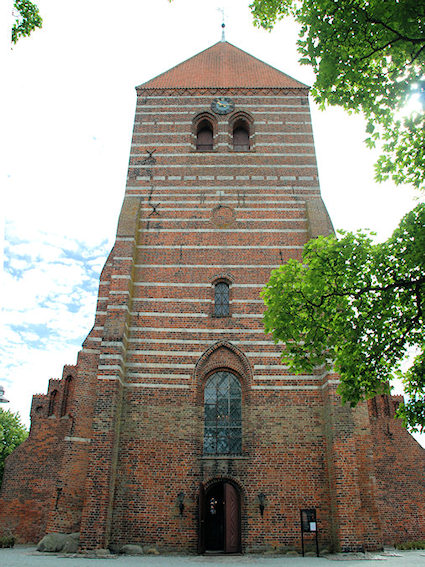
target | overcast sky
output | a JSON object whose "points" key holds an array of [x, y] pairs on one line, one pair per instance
{"points": [[70, 111]]}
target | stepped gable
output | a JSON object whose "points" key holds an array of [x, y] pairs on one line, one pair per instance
{"points": [[223, 66]]}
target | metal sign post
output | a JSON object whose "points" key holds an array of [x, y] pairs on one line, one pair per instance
{"points": [[308, 526]]}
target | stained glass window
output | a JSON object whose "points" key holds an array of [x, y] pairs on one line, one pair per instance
{"points": [[223, 415], [221, 300]]}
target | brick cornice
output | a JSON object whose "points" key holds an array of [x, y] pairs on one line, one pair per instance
{"points": [[141, 91]]}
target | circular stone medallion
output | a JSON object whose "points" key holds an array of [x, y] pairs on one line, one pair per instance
{"points": [[223, 216]]}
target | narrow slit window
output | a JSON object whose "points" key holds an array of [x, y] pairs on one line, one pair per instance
{"points": [[221, 300], [204, 136], [52, 403], [66, 395]]}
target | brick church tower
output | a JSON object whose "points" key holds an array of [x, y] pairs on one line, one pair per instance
{"points": [[178, 426]]}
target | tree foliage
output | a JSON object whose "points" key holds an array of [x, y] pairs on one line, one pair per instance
{"points": [[28, 19], [369, 57], [12, 433], [358, 307]]}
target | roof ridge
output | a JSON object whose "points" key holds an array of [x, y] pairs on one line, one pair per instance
{"points": [[264, 63], [181, 63], [223, 65]]}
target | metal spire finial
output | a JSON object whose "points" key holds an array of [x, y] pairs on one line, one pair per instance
{"points": [[223, 25]]}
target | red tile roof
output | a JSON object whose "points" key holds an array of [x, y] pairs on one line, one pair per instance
{"points": [[224, 66]]}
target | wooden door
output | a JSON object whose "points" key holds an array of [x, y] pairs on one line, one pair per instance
{"points": [[232, 514], [201, 519]]}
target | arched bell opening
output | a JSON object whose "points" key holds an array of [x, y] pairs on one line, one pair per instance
{"points": [[241, 136], [204, 136], [241, 131]]}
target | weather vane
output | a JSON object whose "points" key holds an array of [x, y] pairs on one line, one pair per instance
{"points": [[223, 25]]}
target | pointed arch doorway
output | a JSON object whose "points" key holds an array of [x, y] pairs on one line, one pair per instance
{"points": [[220, 518]]}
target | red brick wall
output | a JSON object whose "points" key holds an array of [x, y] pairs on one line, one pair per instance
{"points": [[135, 437], [43, 485], [188, 219], [400, 474], [28, 490]]}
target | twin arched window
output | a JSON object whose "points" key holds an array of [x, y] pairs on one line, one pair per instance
{"points": [[240, 131], [223, 415]]}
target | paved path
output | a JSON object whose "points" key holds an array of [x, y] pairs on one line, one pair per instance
{"points": [[24, 556]]}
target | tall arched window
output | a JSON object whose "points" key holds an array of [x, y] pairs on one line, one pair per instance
{"points": [[66, 395], [204, 136], [241, 136], [223, 415], [221, 300], [52, 403]]}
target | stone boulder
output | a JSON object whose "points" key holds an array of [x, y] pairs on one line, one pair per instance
{"points": [[71, 543], [152, 551], [131, 549], [53, 542]]}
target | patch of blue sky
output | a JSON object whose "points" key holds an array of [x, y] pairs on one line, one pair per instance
{"points": [[11, 252], [13, 242], [73, 307], [76, 255], [15, 263], [91, 258], [34, 334], [16, 271], [90, 283]]}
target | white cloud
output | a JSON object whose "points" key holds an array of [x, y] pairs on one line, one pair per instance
{"points": [[49, 289]]}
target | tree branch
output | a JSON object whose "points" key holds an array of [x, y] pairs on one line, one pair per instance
{"points": [[406, 284], [380, 48], [417, 54], [373, 20]]}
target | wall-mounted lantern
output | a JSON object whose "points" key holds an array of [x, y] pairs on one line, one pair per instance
{"points": [[180, 500], [262, 501]]}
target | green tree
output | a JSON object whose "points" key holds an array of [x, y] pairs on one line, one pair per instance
{"points": [[358, 307], [12, 433], [28, 19], [368, 56]]}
